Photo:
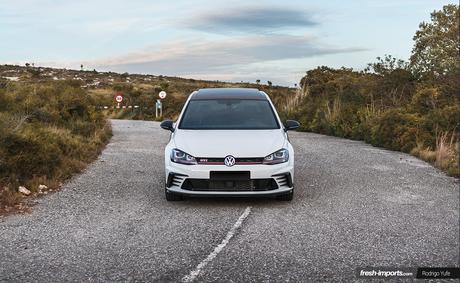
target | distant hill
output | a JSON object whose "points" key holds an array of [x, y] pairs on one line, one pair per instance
{"points": [[138, 89]]}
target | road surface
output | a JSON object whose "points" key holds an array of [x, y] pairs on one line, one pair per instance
{"points": [[354, 206]]}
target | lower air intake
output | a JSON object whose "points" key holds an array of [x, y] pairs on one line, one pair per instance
{"points": [[229, 185]]}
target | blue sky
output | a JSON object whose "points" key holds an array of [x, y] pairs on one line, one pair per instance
{"points": [[204, 39]]}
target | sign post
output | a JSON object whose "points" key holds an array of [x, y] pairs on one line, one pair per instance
{"points": [[158, 110], [118, 99], [158, 104]]}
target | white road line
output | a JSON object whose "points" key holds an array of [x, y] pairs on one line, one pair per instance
{"points": [[194, 273]]}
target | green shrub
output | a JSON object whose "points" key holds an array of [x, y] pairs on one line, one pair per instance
{"points": [[48, 131], [395, 130], [29, 151]]}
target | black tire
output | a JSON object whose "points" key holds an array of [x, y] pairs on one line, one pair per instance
{"points": [[286, 197], [170, 196]]}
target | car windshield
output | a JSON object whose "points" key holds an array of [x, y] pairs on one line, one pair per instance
{"points": [[229, 114]]}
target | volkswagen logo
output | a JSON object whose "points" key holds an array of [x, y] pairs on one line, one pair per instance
{"points": [[229, 160]]}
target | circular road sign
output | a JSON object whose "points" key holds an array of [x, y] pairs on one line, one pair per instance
{"points": [[162, 94], [119, 98]]}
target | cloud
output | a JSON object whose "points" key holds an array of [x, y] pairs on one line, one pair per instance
{"points": [[205, 54], [250, 19], [200, 58]]}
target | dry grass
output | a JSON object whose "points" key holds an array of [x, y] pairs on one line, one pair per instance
{"points": [[143, 86], [424, 153], [428, 155], [84, 151], [8, 199], [445, 152], [333, 113], [371, 111], [293, 101], [104, 91], [445, 156]]}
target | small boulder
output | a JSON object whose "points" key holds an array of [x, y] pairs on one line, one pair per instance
{"points": [[42, 187], [23, 190]]}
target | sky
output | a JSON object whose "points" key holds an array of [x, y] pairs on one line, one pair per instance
{"points": [[209, 39]]}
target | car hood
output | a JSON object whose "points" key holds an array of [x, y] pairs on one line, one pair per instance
{"points": [[220, 143]]}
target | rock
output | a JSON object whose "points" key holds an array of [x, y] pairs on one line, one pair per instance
{"points": [[24, 190], [42, 187]]}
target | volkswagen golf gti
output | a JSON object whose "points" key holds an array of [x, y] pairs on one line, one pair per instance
{"points": [[229, 142]]}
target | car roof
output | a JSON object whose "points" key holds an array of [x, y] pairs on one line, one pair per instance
{"points": [[228, 93]]}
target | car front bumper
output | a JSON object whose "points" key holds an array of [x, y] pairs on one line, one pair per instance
{"points": [[260, 171]]}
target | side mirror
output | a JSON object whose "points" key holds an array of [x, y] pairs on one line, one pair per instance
{"points": [[291, 125], [167, 125]]}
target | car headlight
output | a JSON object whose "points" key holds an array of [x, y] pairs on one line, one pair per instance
{"points": [[181, 157], [277, 157]]}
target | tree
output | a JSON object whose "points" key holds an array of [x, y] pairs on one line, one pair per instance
{"points": [[269, 83], [124, 76], [396, 81], [258, 81], [436, 49], [81, 67], [27, 65], [386, 65]]}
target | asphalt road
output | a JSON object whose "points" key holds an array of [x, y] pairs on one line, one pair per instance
{"points": [[354, 206]]}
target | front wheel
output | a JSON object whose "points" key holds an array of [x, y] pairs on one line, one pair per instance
{"points": [[170, 196], [286, 197]]}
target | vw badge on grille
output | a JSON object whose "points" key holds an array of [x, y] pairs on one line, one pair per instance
{"points": [[229, 160]]}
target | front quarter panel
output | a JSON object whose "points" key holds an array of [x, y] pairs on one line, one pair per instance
{"points": [[167, 154]]}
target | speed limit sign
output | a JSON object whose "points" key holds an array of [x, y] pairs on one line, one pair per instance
{"points": [[119, 98], [162, 94]]}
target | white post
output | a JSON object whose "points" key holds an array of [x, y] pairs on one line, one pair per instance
{"points": [[158, 109]]}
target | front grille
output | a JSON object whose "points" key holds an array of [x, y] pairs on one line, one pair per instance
{"points": [[238, 161], [229, 185]]}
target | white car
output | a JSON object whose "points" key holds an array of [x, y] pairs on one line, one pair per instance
{"points": [[229, 142]]}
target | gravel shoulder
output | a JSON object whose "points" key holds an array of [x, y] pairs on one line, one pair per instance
{"points": [[355, 205]]}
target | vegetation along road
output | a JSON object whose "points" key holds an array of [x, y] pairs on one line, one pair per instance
{"points": [[355, 205]]}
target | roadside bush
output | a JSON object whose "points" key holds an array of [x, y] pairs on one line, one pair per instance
{"points": [[48, 132], [403, 115], [395, 130], [30, 151]]}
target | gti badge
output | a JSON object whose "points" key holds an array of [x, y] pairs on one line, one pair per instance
{"points": [[229, 160]]}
